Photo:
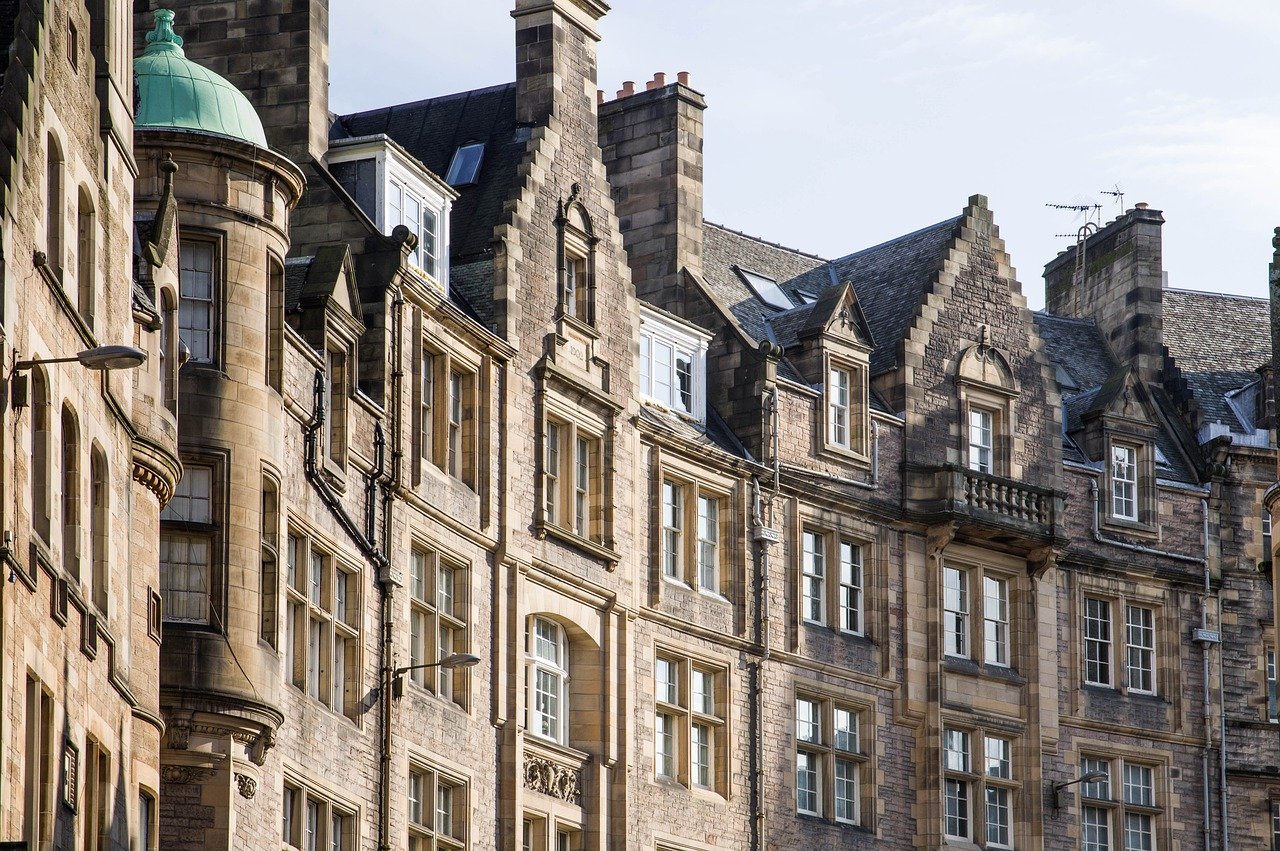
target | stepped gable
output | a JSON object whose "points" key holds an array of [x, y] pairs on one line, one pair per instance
{"points": [[432, 130], [890, 280], [1218, 342]]}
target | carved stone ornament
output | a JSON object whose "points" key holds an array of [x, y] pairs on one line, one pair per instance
{"points": [[550, 778], [179, 733], [247, 785], [185, 774]]}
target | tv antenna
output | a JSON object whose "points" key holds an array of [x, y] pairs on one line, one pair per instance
{"points": [[1117, 193], [1086, 211]]}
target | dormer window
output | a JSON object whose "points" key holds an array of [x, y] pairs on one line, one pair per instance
{"points": [[838, 407], [845, 397], [465, 167], [673, 363], [393, 189]]}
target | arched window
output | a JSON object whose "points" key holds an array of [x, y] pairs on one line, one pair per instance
{"points": [[99, 526], [40, 444], [53, 206], [70, 493], [547, 680], [86, 262]]}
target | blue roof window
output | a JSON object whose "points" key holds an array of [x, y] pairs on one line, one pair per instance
{"points": [[465, 167]]}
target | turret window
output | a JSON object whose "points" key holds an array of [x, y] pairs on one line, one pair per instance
{"points": [[187, 544], [197, 307]]}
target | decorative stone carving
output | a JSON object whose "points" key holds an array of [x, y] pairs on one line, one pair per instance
{"points": [[260, 745], [550, 778], [179, 733], [247, 785], [185, 774]]}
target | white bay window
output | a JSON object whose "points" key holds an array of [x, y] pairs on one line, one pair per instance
{"points": [[673, 363]]}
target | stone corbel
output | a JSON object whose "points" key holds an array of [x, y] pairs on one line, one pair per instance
{"points": [[1041, 560]]}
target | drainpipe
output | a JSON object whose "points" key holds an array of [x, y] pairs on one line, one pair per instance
{"points": [[1096, 496], [1204, 648], [764, 536]]}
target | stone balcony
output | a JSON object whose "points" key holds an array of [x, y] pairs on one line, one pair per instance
{"points": [[984, 506]]}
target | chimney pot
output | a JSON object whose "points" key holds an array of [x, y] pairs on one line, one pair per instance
{"points": [[628, 89], [651, 85], [659, 79], [599, 96], [683, 78], [1141, 205]]}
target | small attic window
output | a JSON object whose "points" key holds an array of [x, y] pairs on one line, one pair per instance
{"points": [[806, 297], [466, 164], [1162, 460], [766, 289], [1065, 380]]}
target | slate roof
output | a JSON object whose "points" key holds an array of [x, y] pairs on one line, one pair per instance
{"points": [[295, 278], [8, 26], [714, 434], [890, 280], [433, 129], [1218, 342], [1075, 346], [723, 249]]}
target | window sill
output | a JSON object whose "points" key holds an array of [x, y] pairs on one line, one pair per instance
{"points": [[969, 667], [610, 557], [424, 693], [555, 750], [830, 822], [712, 595], [1125, 694], [1132, 527], [579, 325], [846, 454]]}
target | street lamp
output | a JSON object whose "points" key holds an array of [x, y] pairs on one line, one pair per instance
{"points": [[100, 358], [1091, 777], [453, 660]]}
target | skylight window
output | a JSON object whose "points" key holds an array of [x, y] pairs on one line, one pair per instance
{"points": [[1065, 379], [766, 289], [466, 164]]}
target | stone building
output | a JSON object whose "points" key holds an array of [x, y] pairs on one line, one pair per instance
{"points": [[723, 545]]}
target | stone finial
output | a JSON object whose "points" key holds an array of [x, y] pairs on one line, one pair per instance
{"points": [[163, 37], [1275, 243]]}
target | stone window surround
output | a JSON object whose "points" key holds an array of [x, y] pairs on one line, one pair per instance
{"points": [[446, 356], [832, 603], [330, 806], [978, 779], [976, 572], [1119, 595], [572, 419], [1000, 407], [218, 240], [865, 716], [695, 484], [858, 411], [450, 685], [301, 610], [874, 588], [218, 464], [555, 831], [576, 241], [423, 835], [685, 715], [1145, 491], [1116, 755]]}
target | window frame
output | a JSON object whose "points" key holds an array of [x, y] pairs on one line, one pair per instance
{"points": [[1119, 645], [686, 718], [1099, 799], [685, 565], [320, 622], [974, 775], [576, 266], [681, 337], [426, 568], [830, 583], [825, 754], [210, 532], [215, 242], [1114, 479], [991, 430], [977, 621], [580, 512], [449, 393], [558, 671]]}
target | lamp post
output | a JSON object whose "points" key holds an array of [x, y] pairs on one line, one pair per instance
{"points": [[1091, 777], [395, 676], [100, 358]]}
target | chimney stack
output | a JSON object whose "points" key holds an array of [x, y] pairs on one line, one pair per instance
{"points": [[1118, 283], [555, 55], [652, 147]]}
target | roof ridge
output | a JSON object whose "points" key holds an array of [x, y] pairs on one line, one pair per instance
{"points": [[763, 241], [900, 238], [467, 93], [1083, 320], [1213, 293]]}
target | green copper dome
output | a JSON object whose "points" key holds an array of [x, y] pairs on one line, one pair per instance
{"points": [[175, 93]]}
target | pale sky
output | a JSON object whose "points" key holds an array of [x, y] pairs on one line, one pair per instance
{"points": [[833, 125]]}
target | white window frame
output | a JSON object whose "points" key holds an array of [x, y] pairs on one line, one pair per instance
{"points": [[839, 415], [580, 491], [437, 808], [977, 624], [833, 580], [546, 725], [199, 335], [982, 779], [1129, 651], [323, 613], [1125, 462], [830, 740], [693, 719], [1101, 806], [438, 622], [299, 802], [981, 438], [657, 329]]}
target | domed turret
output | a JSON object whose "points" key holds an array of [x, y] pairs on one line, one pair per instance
{"points": [[177, 94]]}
